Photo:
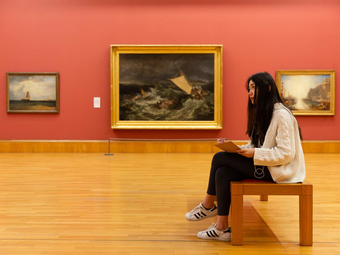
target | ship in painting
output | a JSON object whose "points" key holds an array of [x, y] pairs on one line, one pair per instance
{"points": [[287, 98], [182, 82], [28, 98], [195, 92], [141, 95]]}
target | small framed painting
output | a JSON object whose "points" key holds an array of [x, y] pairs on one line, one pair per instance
{"points": [[166, 86], [33, 92], [307, 92]]}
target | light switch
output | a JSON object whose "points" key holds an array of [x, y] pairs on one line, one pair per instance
{"points": [[96, 102]]}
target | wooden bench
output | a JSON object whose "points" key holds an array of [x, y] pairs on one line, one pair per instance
{"points": [[254, 187]]}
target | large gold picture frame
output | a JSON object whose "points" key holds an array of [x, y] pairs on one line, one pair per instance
{"points": [[307, 92], [32, 92], [166, 86]]}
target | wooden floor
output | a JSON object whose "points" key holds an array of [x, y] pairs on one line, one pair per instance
{"points": [[135, 204]]}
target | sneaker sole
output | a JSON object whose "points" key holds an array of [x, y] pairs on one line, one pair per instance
{"points": [[195, 219], [215, 238]]}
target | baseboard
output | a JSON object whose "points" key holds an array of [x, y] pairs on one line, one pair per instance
{"points": [[139, 146], [324, 146]]}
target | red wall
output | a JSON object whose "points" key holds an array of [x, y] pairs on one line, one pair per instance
{"points": [[73, 37]]}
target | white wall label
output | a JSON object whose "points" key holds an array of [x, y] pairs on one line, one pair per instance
{"points": [[96, 102]]}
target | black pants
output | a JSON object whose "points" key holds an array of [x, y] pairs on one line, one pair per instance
{"points": [[227, 167]]}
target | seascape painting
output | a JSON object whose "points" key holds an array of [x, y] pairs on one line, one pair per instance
{"points": [[33, 92], [307, 92], [167, 90], [167, 87]]}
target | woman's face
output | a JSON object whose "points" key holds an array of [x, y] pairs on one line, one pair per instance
{"points": [[251, 91]]}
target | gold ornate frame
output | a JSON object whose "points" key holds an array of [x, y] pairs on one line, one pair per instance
{"points": [[322, 104], [117, 123], [34, 105]]}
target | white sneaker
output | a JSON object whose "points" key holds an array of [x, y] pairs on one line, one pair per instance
{"points": [[213, 234], [200, 213]]}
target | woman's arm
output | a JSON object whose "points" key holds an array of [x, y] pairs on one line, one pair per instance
{"points": [[246, 150], [247, 146], [249, 153], [284, 150]]}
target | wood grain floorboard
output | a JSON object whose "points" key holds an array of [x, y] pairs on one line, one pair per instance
{"points": [[69, 203]]}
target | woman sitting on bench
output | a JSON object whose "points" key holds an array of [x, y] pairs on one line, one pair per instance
{"points": [[274, 153]]}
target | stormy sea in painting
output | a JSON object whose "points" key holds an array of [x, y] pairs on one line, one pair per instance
{"points": [[166, 87], [166, 103]]}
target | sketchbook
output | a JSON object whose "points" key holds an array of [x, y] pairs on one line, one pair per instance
{"points": [[228, 146]]}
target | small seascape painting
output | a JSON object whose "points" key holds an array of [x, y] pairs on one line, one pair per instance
{"points": [[33, 92], [164, 87], [307, 92]]}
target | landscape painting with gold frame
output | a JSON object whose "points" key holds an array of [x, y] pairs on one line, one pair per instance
{"points": [[307, 92], [166, 86]]}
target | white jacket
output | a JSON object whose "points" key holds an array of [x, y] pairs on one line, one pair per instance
{"points": [[281, 151]]}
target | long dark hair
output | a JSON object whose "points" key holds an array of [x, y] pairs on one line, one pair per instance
{"points": [[261, 112]]}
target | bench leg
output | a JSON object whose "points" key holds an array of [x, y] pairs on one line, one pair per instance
{"points": [[306, 220], [237, 219], [263, 197]]}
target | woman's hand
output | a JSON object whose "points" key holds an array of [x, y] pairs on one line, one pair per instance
{"points": [[249, 153]]}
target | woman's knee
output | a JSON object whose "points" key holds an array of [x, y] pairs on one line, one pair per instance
{"points": [[223, 174], [219, 156]]}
